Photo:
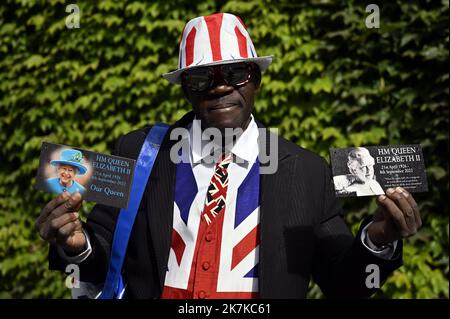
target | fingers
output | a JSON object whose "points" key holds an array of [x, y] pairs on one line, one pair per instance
{"points": [[70, 205], [394, 212], [56, 224], [403, 209], [50, 230], [413, 205], [51, 205], [66, 231], [56, 214]]}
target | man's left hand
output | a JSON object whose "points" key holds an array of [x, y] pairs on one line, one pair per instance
{"points": [[397, 217]]}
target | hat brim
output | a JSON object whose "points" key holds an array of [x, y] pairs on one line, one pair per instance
{"points": [[81, 169], [262, 62]]}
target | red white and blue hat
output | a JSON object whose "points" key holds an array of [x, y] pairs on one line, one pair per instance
{"points": [[215, 39]]}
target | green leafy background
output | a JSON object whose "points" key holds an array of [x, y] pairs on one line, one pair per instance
{"points": [[333, 83]]}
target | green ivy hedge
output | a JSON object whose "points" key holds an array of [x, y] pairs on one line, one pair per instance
{"points": [[334, 83]]}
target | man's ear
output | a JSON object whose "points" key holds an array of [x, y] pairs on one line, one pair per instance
{"points": [[186, 93], [257, 76], [257, 85]]}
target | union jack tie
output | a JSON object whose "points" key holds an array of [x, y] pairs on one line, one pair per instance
{"points": [[217, 190]]}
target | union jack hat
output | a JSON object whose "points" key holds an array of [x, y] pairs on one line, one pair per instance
{"points": [[215, 39]]}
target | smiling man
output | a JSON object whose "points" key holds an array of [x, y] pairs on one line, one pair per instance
{"points": [[225, 229], [222, 106]]}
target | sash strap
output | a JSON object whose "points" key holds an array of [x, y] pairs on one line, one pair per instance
{"points": [[114, 286]]}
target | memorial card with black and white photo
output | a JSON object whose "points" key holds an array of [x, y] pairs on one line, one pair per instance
{"points": [[370, 170], [101, 178]]}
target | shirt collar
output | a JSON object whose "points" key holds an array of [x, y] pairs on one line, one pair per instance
{"points": [[245, 147]]}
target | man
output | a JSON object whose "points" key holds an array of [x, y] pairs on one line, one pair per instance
{"points": [[67, 166], [223, 230], [361, 179]]}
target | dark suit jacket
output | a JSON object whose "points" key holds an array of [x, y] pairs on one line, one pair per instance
{"points": [[302, 233]]}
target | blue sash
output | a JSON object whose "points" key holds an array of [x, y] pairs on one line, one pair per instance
{"points": [[114, 286]]}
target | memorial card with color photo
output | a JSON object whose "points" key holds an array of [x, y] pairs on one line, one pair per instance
{"points": [[101, 178], [370, 170]]}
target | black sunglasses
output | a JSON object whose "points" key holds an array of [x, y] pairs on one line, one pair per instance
{"points": [[203, 78]]}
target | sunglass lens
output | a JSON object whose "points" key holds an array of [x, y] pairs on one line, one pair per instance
{"points": [[235, 74], [198, 79]]}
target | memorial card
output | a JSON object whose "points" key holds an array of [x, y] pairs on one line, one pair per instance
{"points": [[366, 171], [101, 178]]}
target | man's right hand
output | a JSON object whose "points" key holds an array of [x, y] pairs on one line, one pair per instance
{"points": [[59, 223]]}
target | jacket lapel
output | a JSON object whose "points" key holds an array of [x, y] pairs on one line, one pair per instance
{"points": [[160, 206], [160, 199], [270, 187]]}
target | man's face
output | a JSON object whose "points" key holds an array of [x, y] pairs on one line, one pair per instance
{"points": [[66, 173], [223, 105], [363, 168]]}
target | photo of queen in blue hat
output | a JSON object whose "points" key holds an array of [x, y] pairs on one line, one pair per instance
{"points": [[68, 165]]}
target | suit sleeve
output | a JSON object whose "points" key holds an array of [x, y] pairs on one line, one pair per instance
{"points": [[340, 260]]}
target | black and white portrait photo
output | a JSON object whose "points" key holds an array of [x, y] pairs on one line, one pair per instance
{"points": [[359, 178]]}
